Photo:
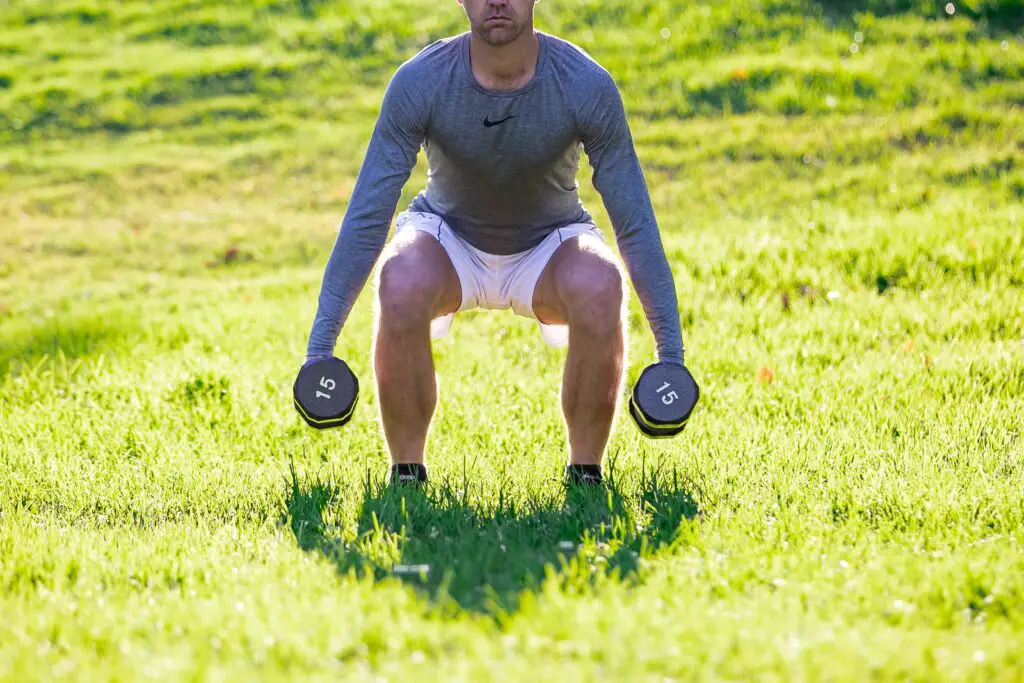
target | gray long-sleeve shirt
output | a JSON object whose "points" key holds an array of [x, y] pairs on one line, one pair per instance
{"points": [[503, 187]]}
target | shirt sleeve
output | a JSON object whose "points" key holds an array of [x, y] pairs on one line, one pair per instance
{"points": [[620, 182], [390, 158]]}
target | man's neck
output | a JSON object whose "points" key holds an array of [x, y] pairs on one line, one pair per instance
{"points": [[505, 67]]}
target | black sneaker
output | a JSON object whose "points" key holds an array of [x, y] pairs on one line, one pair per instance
{"points": [[583, 475], [408, 474]]}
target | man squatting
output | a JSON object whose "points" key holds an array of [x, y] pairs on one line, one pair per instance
{"points": [[502, 112]]}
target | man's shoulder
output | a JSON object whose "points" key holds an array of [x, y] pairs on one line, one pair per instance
{"points": [[438, 55], [576, 64], [420, 76]]}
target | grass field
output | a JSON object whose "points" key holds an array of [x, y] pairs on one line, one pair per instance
{"points": [[840, 190]]}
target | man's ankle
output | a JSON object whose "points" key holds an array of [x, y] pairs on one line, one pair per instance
{"points": [[408, 473], [579, 474]]}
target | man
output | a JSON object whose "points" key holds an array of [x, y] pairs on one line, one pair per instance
{"points": [[502, 112]]}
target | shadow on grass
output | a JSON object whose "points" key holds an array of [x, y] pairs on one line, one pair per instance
{"points": [[483, 557]]}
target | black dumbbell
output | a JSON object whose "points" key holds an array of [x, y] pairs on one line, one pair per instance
{"points": [[326, 392], [663, 399]]}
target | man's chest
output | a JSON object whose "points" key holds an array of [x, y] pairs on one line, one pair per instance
{"points": [[531, 132]]}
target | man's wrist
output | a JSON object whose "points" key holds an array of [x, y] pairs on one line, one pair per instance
{"points": [[676, 359]]}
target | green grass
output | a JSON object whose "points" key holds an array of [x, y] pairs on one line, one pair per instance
{"points": [[172, 175]]}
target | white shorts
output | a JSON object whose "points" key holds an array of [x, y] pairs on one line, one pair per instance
{"points": [[494, 281]]}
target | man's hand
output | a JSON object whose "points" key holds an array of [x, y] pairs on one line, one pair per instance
{"points": [[310, 359]]}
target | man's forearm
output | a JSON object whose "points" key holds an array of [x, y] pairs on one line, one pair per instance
{"points": [[652, 279], [348, 268]]}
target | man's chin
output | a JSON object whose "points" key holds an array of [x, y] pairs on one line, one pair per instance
{"points": [[499, 35]]}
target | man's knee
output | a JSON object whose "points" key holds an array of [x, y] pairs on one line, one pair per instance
{"points": [[594, 291], [411, 283]]}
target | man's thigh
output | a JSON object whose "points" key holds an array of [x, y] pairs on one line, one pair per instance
{"points": [[415, 263], [576, 263]]}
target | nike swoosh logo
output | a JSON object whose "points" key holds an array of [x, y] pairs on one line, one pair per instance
{"points": [[490, 124]]}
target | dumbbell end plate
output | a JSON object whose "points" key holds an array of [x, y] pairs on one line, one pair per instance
{"points": [[325, 393], [666, 413]]}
